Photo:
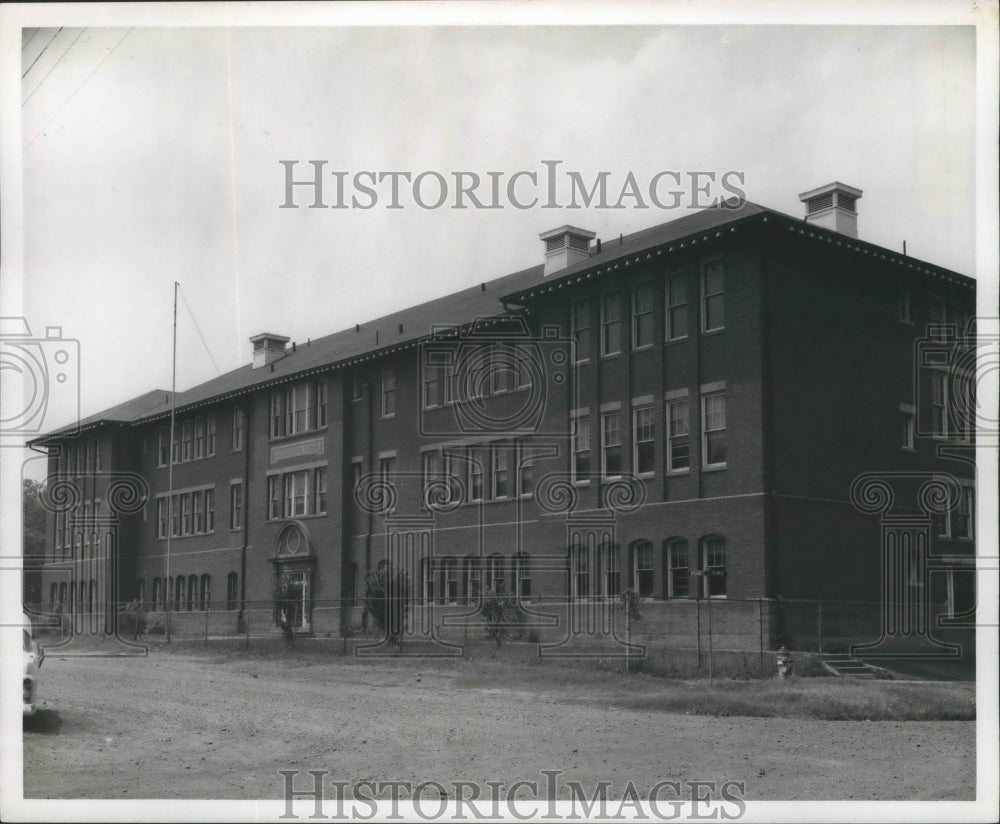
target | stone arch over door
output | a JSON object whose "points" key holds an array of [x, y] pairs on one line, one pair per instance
{"points": [[294, 562]]}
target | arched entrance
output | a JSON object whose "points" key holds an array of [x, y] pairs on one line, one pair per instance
{"points": [[294, 564]]}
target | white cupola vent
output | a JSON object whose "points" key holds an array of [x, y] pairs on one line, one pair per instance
{"points": [[834, 206], [565, 246]]}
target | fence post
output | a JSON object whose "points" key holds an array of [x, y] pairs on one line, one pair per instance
{"points": [[711, 673], [246, 630], [697, 625], [819, 624], [207, 609]]}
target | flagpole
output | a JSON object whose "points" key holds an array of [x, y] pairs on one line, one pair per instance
{"points": [[170, 470]]}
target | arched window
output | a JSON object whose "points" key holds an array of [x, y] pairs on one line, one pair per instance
{"points": [[157, 594], [91, 595], [62, 596], [522, 575], [232, 590], [82, 600], [192, 593], [713, 564], [140, 592], [206, 592], [642, 568], [53, 594], [179, 590]]}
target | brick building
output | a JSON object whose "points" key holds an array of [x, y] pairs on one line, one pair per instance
{"points": [[702, 409]]}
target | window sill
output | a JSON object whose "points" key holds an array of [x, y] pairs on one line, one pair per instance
{"points": [[295, 435], [610, 355], [909, 449], [677, 473], [642, 348], [707, 332], [185, 537], [581, 483], [646, 476], [676, 340], [714, 468]]}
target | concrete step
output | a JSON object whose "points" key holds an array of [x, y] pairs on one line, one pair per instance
{"points": [[845, 666]]}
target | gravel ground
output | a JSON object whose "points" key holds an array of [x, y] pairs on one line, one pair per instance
{"points": [[187, 726]]}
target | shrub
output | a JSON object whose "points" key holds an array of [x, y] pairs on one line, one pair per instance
{"points": [[387, 600], [131, 619], [499, 612], [156, 623]]}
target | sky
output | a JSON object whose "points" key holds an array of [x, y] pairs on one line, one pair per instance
{"points": [[151, 154]]}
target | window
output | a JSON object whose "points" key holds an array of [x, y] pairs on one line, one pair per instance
{"points": [[713, 564], [232, 590], [429, 467], [319, 492], [939, 404], [276, 418], [643, 457], [175, 450], [387, 468], [239, 429], [642, 565], [274, 497], [962, 407], [522, 575], [236, 506], [192, 592], [678, 446], [187, 440], [210, 435], [205, 601], [609, 569], [298, 409], [162, 517], [714, 430], [358, 469], [388, 392], [642, 315], [502, 368], [676, 306], [525, 470], [580, 325], [198, 503], [579, 566], [678, 570], [907, 420], [965, 514], [494, 574], [936, 311], [186, 514], [322, 404], [712, 296], [477, 459], [611, 324], [500, 473], [157, 594], [581, 448], [432, 386], [450, 576], [428, 578], [611, 445], [524, 361], [199, 437], [209, 510], [97, 456], [473, 579], [180, 592], [905, 306], [357, 385], [296, 494]]}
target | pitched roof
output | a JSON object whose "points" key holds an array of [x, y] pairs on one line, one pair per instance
{"points": [[404, 328]]}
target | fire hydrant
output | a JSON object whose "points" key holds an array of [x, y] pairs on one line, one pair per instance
{"points": [[784, 660]]}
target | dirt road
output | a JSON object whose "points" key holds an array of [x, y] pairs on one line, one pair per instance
{"points": [[186, 726]]}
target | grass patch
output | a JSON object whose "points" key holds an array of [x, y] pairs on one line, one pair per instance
{"points": [[827, 699]]}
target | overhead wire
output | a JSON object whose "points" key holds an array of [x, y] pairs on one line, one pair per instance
{"points": [[53, 66], [194, 320], [54, 36], [84, 83]]}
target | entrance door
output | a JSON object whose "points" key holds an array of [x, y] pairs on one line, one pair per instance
{"points": [[296, 600]]}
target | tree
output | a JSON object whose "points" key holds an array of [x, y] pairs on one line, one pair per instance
{"points": [[499, 613], [32, 493], [387, 600]]}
